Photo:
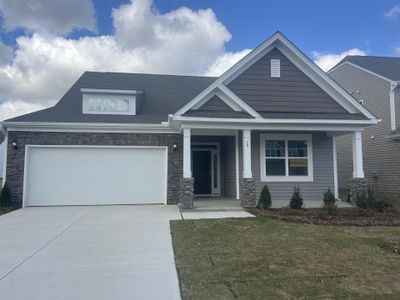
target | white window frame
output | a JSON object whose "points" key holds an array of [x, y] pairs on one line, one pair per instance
{"points": [[88, 96], [286, 138]]}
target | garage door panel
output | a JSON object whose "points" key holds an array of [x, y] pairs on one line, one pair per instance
{"points": [[95, 175]]}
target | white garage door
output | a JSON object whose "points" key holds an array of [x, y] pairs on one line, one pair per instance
{"points": [[95, 175]]}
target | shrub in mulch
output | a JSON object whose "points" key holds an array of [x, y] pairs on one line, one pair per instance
{"points": [[339, 216], [391, 244], [296, 202]]}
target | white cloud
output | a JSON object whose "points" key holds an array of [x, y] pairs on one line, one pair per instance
{"points": [[48, 16], [393, 14], [225, 61], [326, 61], [182, 41]]}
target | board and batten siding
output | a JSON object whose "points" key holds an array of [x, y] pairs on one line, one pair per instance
{"points": [[381, 154], [293, 91], [322, 164]]}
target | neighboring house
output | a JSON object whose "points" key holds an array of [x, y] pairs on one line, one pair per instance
{"points": [[374, 82], [116, 138]]}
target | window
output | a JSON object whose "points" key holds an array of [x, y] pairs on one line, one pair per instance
{"points": [[116, 102], [286, 157]]}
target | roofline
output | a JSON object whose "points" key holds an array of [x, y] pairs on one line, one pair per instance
{"points": [[363, 69]]}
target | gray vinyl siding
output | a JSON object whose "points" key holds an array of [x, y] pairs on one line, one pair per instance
{"points": [[322, 167], [381, 155], [397, 106], [292, 92], [215, 104]]}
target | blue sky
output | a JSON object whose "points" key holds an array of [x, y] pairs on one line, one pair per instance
{"points": [[45, 45]]}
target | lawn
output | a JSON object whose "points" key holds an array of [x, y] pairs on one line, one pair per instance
{"points": [[263, 258]]}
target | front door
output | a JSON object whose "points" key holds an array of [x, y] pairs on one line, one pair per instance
{"points": [[202, 172]]}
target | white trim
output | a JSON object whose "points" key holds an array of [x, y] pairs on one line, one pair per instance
{"points": [[393, 87], [361, 68], [5, 158], [237, 164], [233, 105], [187, 170], [286, 138], [246, 149], [358, 168], [111, 91], [214, 191], [29, 146], [335, 170]]}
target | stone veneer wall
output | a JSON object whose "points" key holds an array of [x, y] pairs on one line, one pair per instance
{"points": [[16, 158], [248, 192]]}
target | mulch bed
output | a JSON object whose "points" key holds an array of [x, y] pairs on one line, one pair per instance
{"points": [[391, 244], [339, 216]]}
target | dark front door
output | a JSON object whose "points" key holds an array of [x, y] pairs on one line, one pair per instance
{"points": [[202, 172]]}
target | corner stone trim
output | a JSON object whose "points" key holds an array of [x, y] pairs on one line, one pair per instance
{"points": [[357, 186], [186, 193], [248, 192]]}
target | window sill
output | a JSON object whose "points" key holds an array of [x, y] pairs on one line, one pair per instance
{"points": [[287, 179]]}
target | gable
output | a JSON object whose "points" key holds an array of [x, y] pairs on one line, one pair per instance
{"points": [[293, 91], [215, 104]]}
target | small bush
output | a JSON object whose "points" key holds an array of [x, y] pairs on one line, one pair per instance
{"points": [[265, 198], [5, 196], [370, 201], [296, 202], [329, 199]]}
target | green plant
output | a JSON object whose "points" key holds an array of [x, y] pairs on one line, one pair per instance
{"points": [[362, 200], [265, 198], [5, 196], [371, 200], [329, 199], [296, 202]]}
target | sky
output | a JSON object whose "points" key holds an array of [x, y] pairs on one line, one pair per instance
{"points": [[45, 45]]}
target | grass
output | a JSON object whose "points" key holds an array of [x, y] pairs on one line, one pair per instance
{"points": [[263, 258]]}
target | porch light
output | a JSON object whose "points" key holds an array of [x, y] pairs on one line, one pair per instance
{"points": [[14, 144], [174, 147]]}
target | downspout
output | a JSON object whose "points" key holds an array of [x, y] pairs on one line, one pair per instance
{"points": [[393, 86]]}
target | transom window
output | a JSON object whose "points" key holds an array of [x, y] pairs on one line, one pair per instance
{"points": [[286, 157]]}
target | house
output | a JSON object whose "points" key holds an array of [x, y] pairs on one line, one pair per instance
{"points": [[374, 82], [115, 138]]}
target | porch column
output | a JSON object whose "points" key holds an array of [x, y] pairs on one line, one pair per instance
{"points": [[358, 185], [247, 154], [358, 168], [187, 182], [247, 182], [187, 170]]}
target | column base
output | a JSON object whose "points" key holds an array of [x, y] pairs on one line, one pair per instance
{"points": [[357, 186], [186, 193], [248, 192]]}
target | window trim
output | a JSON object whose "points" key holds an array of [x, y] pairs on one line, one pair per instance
{"points": [[286, 138]]}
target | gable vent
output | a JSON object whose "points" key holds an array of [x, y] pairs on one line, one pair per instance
{"points": [[276, 68]]}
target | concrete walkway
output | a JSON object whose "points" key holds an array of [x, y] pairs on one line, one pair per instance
{"points": [[88, 252]]}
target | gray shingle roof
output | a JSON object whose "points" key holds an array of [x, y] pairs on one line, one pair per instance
{"points": [[163, 95], [388, 67]]}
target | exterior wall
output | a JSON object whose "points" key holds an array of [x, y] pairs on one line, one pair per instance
{"points": [[381, 154], [322, 164], [292, 92], [228, 162], [397, 107], [16, 158]]}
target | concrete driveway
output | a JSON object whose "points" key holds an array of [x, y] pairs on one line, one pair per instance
{"points": [[88, 252]]}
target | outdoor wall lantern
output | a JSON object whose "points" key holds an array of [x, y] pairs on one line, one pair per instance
{"points": [[14, 144], [174, 147]]}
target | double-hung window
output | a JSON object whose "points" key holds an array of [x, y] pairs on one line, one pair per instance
{"points": [[286, 157]]}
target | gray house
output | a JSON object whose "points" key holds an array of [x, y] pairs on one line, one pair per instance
{"points": [[117, 138], [374, 82]]}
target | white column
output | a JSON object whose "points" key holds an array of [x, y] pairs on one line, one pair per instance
{"points": [[335, 171], [358, 168], [187, 168], [247, 154]]}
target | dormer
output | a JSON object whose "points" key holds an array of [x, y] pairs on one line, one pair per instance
{"points": [[111, 102]]}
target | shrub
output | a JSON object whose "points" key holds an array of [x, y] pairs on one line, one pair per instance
{"points": [[265, 198], [296, 202], [5, 196], [329, 199], [362, 200], [370, 201]]}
